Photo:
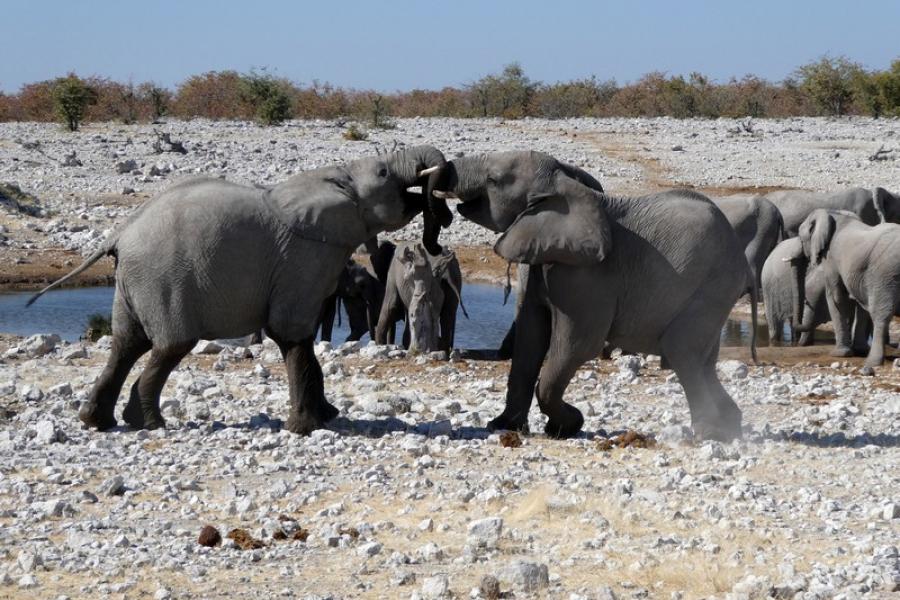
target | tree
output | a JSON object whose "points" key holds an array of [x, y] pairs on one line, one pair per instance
{"points": [[829, 83], [268, 96], [158, 99], [506, 95], [71, 96]]}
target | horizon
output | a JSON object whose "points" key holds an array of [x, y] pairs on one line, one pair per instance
{"points": [[360, 47]]}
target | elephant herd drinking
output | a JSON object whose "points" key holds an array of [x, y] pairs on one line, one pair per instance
{"points": [[657, 274]]}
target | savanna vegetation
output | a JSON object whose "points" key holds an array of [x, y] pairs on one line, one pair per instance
{"points": [[833, 86]]}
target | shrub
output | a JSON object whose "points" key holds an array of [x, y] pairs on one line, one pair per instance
{"points": [[156, 99], [379, 111], [506, 95], [214, 95], [583, 97], [268, 96], [829, 83], [98, 326], [71, 97], [355, 134]]}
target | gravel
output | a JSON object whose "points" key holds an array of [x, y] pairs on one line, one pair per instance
{"points": [[406, 494]]}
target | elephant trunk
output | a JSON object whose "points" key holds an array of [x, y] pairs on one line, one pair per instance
{"points": [[798, 269], [437, 214]]}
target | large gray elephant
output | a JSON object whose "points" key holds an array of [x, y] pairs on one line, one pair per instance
{"points": [[872, 206], [758, 225], [361, 294], [778, 295], [425, 291], [210, 259], [657, 275], [860, 263]]}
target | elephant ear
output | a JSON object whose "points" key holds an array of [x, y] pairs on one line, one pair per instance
{"points": [[878, 197], [567, 226], [822, 230]]}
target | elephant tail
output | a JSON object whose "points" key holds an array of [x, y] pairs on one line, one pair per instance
{"points": [[107, 248]]}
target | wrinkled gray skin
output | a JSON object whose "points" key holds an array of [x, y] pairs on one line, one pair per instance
{"points": [[209, 259], [860, 263], [758, 225], [425, 291], [778, 294], [361, 294], [872, 206], [657, 275]]}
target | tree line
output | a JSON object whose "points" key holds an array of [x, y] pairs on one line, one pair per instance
{"points": [[833, 86]]}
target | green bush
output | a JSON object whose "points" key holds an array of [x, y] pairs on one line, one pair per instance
{"points": [[71, 97], [355, 134], [98, 326], [829, 82], [269, 97]]}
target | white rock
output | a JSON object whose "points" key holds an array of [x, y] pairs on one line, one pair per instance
{"points": [[527, 576], [435, 587], [369, 549], [485, 533], [734, 369], [891, 511], [46, 432], [207, 347], [40, 344], [114, 486]]}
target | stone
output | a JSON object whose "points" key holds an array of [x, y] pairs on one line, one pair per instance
{"points": [[674, 435], [28, 561], [46, 433], [27, 582], [207, 347], [891, 511], [64, 390], [605, 593], [30, 393], [369, 549], [435, 587], [114, 486], [126, 166], [40, 344], [527, 576], [485, 533], [489, 588], [734, 369]]}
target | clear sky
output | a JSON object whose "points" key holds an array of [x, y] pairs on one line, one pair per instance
{"points": [[401, 44]]}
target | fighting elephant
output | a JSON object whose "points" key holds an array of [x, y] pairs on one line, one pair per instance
{"points": [[361, 295], [425, 291], [211, 259], [778, 295], [872, 206], [657, 275], [860, 263], [758, 225]]}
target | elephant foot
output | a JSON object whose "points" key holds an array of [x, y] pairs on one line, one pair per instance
{"points": [[860, 351], [133, 414], [565, 425], [327, 411], [874, 361], [717, 433], [303, 423], [92, 415], [154, 421], [505, 423], [842, 352]]}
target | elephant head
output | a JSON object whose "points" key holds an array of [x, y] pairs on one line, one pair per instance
{"points": [[519, 193], [426, 300], [887, 205], [352, 203]]}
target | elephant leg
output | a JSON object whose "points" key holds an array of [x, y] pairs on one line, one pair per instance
{"points": [[880, 320], [309, 408], [573, 343], [532, 340], [329, 311], [142, 410], [505, 351], [841, 312], [407, 332], [448, 323], [806, 339], [862, 329], [391, 310], [125, 351], [691, 343]]}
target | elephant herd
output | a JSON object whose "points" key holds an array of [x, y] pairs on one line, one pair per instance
{"points": [[657, 274]]}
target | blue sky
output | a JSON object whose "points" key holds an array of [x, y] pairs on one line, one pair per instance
{"points": [[401, 44]]}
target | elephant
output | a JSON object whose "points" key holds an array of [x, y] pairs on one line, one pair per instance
{"points": [[758, 224], [778, 295], [211, 259], [872, 206], [657, 274], [361, 294], [860, 263], [425, 291]]}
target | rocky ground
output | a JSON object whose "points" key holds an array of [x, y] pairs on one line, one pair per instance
{"points": [[406, 494]]}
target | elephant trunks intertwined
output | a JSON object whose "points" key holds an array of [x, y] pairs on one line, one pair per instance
{"points": [[657, 274], [210, 259]]}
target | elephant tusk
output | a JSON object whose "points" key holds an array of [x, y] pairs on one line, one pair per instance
{"points": [[444, 195], [427, 171]]}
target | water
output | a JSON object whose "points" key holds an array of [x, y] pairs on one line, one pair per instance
{"points": [[66, 311]]}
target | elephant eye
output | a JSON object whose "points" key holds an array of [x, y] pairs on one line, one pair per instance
{"points": [[382, 172]]}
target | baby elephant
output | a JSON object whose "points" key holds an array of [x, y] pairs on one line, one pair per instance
{"points": [[361, 294], [424, 291]]}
